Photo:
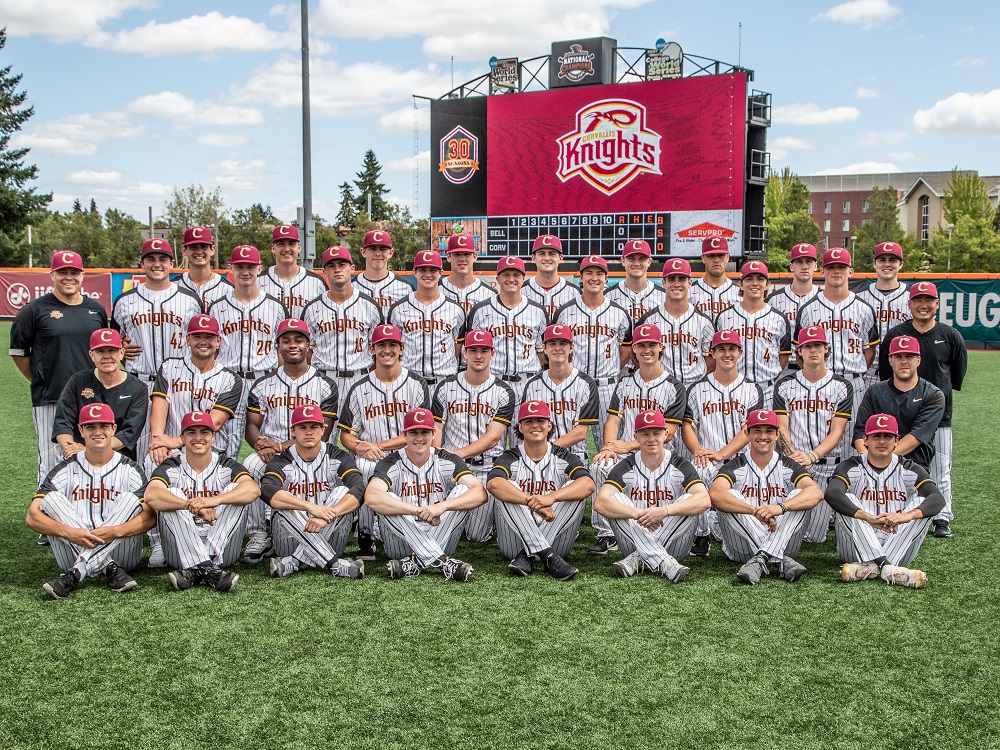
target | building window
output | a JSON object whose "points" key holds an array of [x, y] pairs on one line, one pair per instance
{"points": [[864, 207], [810, 208], [847, 207], [847, 225], [847, 242], [827, 207], [826, 225], [925, 220], [864, 221]]}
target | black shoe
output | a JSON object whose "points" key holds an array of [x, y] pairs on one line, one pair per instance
{"points": [[221, 580], [43, 541], [118, 580], [942, 530], [603, 546], [366, 548], [64, 585], [701, 546], [520, 565], [185, 578], [558, 568]]}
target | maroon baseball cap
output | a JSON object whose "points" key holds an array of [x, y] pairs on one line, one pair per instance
{"points": [[197, 236], [307, 414], [510, 262], [461, 243], [96, 414], [478, 338], [904, 345], [293, 325], [546, 240], [924, 289], [104, 337], [337, 252], [646, 332], [726, 337], [245, 254], [418, 419], [812, 334], [889, 248], [676, 267], [762, 417], [377, 237], [836, 256], [636, 246], [651, 419], [197, 419], [204, 324], [752, 267], [386, 333], [593, 260], [285, 232], [878, 424], [66, 259], [427, 259], [156, 246], [558, 332], [802, 250], [714, 246], [533, 410]]}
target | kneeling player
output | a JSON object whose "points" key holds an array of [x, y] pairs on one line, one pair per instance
{"points": [[762, 498], [541, 491], [652, 500], [201, 498], [314, 489], [884, 505], [422, 496], [88, 508]]}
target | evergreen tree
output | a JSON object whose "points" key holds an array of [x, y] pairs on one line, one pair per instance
{"points": [[347, 214], [93, 206], [77, 206], [370, 186]]}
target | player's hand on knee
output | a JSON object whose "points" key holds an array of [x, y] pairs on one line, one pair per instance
{"points": [[324, 512], [548, 514], [132, 351], [84, 538], [106, 533], [71, 449], [208, 515], [158, 454], [431, 513], [315, 525], [606, 456]]}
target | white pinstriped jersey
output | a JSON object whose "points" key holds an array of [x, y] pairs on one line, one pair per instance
{"points": [[185, 388], [177, 473], [468, 297], [851, 327], [788, 303], [765, 336], [718, 411], [891, 308], [156, 321], [208, 292], [633, 395], [636, 304], [711, 301], [466, 412], [885, 491], [296, 292], [597, 334], [553, 470], [811, 407], [517, 334], [430, 333], [373, 410], [248, 332], [763, 486], [277, 395], [385, 292], [314, 480], [421, 485], [341, 334], [685, 341], [648, 488], [93, 491], [573, 401], [550, 299]]}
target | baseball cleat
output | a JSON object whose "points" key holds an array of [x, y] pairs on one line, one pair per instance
{"points": [[858, 571], [156, 559], [701, 546], [942, 530], [559, 569], [282, 567], [520, 565], [43, 541], [405, 568], [64, 585], [342, 568], [896, 575], [628, 566], [185, 578], [118, 580], [673, 571], [257, 549], [221, 580], [456, 570], [366, 548], [603, 546], [790, 570], [753, 570]]}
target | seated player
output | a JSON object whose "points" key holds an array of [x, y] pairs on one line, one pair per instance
{"points": [[884, 505], [313, 488], [201, 498], [541, 490], [89, 509], [652, 500], [762, 498], [422, 496]]}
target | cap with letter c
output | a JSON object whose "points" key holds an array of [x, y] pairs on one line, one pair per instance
{"points": [[427, 259], [66, 259], [726, 337], [646, 332], [762, 418], [377, 237], [204, 324], [714, 246], [593, 260], [881, 424], [156, 245], [291, 325], [337, 252], [197, 419], [558, 332], [105, 337], [197, 236], [836, 256], [889, 248], [478, 338], [752, 267], [812, 335], [802, 250], [533, 410], [636, 246], [386, 333], [676, 267], [924, 289], [549, 241], [651, 419], [97, 413], [307, 414], [462, 243], [418, 419], [510, 263], [245, 254], [285, 232], [904, 345]]}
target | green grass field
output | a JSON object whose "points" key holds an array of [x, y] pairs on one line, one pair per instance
{"points": [[503, 662]]}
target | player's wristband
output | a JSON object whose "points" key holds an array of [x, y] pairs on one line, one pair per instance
{"points": [[784, 510]]}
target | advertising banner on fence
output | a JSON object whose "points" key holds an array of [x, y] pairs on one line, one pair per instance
{"points": [[973, 307], [18, 288]]}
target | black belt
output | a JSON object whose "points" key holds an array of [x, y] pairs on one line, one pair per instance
{"points": [[347, 373], [431, 381], [511, 378], [826, 461], [605, 381], [475, 462], [247, 374], [854, 375], [150, 378], [793, 368]]}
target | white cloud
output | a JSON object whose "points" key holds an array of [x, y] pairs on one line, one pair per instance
{"points": [[78, 135], [95, 177], [902, 155], [780, 147], [222, 140], [185, 113], [890, 138], [401, 120], [969, 62], [810, 114], [405, 166], [868, 13], [131, 197], [865, 93], [63, 20], [232, 174], [962, 114], [864, 167]]}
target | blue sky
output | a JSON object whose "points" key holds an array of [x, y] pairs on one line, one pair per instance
{"points": [[135, 97]]}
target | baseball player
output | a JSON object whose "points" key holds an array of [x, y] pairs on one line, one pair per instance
{"points": [[851, 328], [686, 332], [515, 322], [371, 421], [789, 298], [547, 288], [763, 499], [104, 383], [89, 509], [636, 293], [813, 407], [199, 249], [201, 498], [314, 489], [764, 331], [541, 490], [943, 362], [714, 292], [717, 407], [884, 506], [422, 496], [917, 404], [341, 323], [377, 281], [887, 296], [430, 322], [652, 500], [649, 387], [49, 343], [460, 286], [287, 281], [472, 409]]}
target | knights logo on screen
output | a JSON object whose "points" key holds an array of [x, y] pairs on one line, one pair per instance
{"points": [[610, 147], [576, 64], [459, 156]]}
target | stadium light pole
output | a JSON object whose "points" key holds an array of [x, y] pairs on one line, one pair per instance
{"points": [[308, 247]]}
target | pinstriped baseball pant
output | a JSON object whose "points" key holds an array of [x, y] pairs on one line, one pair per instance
{"points": [[672, 539], [859, 541], [847, 444], [708, 521], [367, 520], [818, 522], [599, 473], [126, 551], [186, 544], [743, 536], [49, 453], [520, 529], [940, 470], [258, 512], [479, 527], [403, 536], [317, 549]]}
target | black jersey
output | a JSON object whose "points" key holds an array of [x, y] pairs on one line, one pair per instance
{"points": [[918, 412], [129, 400]]}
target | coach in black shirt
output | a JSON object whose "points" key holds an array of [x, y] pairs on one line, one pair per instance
{"points": [[916, 404]]}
